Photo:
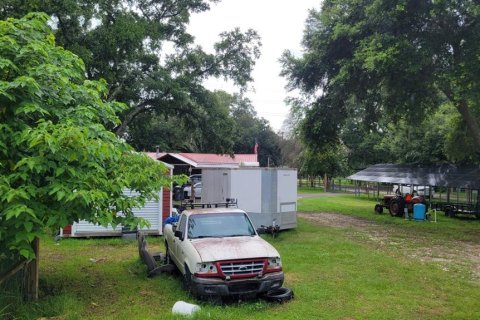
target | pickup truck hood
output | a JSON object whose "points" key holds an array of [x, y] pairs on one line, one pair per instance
{"points": [[216, 249]]}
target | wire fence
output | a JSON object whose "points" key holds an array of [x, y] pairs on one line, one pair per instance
{"points": [[13, 277], [378, 190]]}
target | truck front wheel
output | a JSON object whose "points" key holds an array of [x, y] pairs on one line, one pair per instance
{"points": [[187, 282]]}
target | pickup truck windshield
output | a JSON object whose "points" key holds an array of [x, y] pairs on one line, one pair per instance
{"points": [[228, 224]]}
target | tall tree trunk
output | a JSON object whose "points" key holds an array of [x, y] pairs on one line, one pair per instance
{"points": [[32, 271], [467, 116]]}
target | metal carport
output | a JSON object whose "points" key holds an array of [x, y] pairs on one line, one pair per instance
{"points": [[446, 176], [439, 175]]}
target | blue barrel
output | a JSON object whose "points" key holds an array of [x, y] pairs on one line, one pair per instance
{"points": [[419, 210]]}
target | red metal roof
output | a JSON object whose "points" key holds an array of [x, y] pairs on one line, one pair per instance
{"points": [[211, 158], [155, 155]]}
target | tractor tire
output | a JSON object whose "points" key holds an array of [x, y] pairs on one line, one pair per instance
{"points": [[396, 207], [378, 209]]}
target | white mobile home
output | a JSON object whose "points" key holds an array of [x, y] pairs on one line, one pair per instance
{"points": [[154, 211]]}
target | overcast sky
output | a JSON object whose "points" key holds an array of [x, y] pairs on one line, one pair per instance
{"points": [[280, 24]]}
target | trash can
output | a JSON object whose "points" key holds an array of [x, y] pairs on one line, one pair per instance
{"points": [[419, 210]]}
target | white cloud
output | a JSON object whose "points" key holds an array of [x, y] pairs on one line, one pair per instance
{"points": [[280, 25]]}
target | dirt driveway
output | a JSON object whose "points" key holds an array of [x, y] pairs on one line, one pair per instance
{"points": [[457, 256]]}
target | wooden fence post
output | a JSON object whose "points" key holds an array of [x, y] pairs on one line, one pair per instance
{"points": [[31, 285]]}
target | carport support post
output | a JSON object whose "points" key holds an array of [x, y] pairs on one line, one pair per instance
{"points": [[478, 200]]}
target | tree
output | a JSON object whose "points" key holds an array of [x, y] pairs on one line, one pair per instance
{"points": [[58, 162], [425, 143], [290, 142], [324, 163], [203, 129], [395, 59], [366, 146], [142, 49], [249, 129]]}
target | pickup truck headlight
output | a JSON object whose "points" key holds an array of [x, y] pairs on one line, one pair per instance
{"points": [[206, 269], [274, 264]]}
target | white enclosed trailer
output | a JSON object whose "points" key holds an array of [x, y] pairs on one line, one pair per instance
{"points": [[268, 195]]}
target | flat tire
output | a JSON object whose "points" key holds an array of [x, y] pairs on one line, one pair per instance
{"points": [[279, 295]]}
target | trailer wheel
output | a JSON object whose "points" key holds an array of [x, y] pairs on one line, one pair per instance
{"points": [[446, 210], [449, 212], [396, 206], [378, 208]]}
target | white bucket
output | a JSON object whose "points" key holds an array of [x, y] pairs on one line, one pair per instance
{"points": [[184, 308]]}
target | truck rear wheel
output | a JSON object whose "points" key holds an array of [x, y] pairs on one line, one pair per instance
{"points": [[168, 257]]}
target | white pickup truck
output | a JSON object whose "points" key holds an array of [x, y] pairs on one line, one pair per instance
{"points": [[219, 253]]}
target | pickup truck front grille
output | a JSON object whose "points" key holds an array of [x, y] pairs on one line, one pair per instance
{"points": [[244, 268]]}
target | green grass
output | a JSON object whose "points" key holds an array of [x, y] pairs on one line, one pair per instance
{"points": [[465, 228], [309, 190], [332, 277], [335, 274]]}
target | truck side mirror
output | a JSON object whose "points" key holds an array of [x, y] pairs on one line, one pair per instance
{"points": [[179, 234]]}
